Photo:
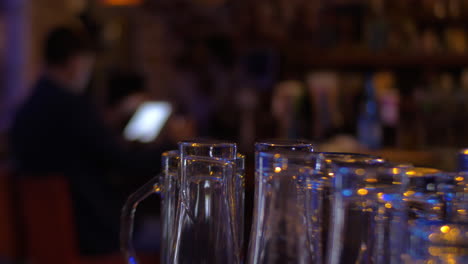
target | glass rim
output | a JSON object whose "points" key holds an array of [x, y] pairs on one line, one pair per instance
{"points": [[377, 164], [176, 154], [417, 172], [171, 153], [240, 156], [207, 143], [423, 228], [350, 154], [284, 143], [287, 154], [439, 175]]}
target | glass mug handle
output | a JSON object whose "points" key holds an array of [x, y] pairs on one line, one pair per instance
{"points": [[128, 216]]}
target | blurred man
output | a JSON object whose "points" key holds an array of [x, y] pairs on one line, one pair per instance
{"points": [[58, 131]]}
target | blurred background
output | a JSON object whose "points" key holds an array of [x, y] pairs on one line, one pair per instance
{"points": [[383, 77]]}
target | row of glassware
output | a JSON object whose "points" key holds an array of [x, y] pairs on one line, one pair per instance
{"points": [[310, 207]]}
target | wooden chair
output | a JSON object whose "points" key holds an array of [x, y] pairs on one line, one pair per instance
{"points": [[8, 237], [49, 224]]}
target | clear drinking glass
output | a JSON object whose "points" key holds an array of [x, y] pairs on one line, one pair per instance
{"points": [[279, 229], [455, 192], [438, 242], [368, 214], [210, 158], [441, 238], [424, 196], [263, 243], [319, 210], [206, 230], [434, 200]]}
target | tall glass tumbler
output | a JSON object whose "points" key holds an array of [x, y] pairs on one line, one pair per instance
{"points": [[319, 211], [438, 222], [206, 228], [368, 213], [424, 197], [455, 192], [438, 242], [279, 229], [433, 198]]}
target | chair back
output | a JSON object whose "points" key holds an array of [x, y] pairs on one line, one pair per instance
{"points": [[9, 239], [48, 218]]}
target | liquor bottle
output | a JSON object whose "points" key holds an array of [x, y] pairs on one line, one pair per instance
{"points": [[388, 99], [369, 127], [287, 106]]}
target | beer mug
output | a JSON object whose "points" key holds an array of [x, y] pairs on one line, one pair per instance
{"points": [[165, 184], [202, 196]]}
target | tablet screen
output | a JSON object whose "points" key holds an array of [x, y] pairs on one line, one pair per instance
{"points": [[147, 122]]}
